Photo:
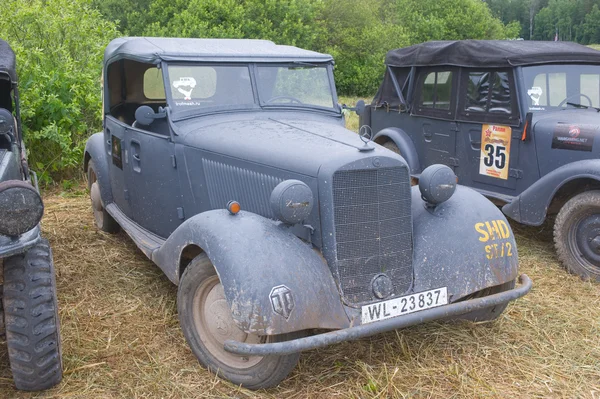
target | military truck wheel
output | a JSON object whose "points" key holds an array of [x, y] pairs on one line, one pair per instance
{"points": [[104, 221], [206, 322], [491, 313], [577, 235], [31, 319]]}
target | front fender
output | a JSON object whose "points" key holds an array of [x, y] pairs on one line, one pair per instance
{"points": [[465, 244], [94, 149], [274, 282], [404, 144], [532, 205]]}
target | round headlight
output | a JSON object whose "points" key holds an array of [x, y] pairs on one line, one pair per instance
{"points": [[437, 184], [292, 201], [21, 207]]}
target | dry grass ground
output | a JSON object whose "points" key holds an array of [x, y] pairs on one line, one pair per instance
{"points": [[121, 336]]}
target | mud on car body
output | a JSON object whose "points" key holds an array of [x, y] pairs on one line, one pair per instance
{"points": [[515, 120], [29, 313], [274, 220]]}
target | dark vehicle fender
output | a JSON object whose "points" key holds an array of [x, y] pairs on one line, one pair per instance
{"points": [[465, 244], [94, 149], [261, 266], [531, 206], [404, 144]]}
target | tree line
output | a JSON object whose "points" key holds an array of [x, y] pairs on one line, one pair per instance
{"points": [[60, 43]]}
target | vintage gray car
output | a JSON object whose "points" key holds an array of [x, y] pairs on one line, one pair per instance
{"points": [[228, 164], [515, 120], [29, 314]]}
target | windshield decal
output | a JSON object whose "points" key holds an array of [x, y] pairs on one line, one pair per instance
{"points": [[574, 137], [185, 82], [535, 93]]}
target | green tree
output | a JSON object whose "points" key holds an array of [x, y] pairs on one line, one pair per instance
{"points": [[59, 46]]}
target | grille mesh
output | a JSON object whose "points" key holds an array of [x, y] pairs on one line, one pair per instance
{"points": [[373, 230]]}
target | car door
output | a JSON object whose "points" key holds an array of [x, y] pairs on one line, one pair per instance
{"points": [[152, 171], [490, 130], [434, 109], [116, 145]]}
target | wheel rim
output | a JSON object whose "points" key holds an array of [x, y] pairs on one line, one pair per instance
{"points": [[96, 198], [214, 325], [584, 241]]}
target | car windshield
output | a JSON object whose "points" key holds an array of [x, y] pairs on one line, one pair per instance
{"points": [[203, 86], [294, 85], [550, 87]]}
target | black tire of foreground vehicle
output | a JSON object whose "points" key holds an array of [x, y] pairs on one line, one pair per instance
{"points": [[493, 312], [577, 246], [31, 319], [103, 220], [206, 322]]}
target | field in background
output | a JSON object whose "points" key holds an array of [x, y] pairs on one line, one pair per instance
{"points": [[121, 337]]}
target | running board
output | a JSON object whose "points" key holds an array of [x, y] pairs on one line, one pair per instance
{"points": [[147, 241]]}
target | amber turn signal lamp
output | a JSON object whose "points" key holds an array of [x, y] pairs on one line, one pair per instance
{"points": [[233, 207]]}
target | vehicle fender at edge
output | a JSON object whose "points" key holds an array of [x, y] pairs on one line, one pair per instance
{"points": [[531, 206], [404, 144], [465, 244], [274, 282], [94, 149]]}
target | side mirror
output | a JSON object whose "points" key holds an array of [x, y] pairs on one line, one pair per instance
{"points": [[145, 115], [360, 107]]}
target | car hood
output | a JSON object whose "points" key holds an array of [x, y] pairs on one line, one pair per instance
{"points": [[297, 145], [546, 121]]}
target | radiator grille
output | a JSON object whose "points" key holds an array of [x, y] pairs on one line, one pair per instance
{"points": [[373, 230]]}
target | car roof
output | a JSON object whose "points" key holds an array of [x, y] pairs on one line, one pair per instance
{"points": [[8, 61], [156, 49], [491, 53]]}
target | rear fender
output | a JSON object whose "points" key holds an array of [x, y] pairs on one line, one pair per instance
{"points": [[465, 244], [274, 282], [531, 206], [94, 149], [404, 144]]}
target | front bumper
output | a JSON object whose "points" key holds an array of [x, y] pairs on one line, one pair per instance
{"points": [[366, 330]]}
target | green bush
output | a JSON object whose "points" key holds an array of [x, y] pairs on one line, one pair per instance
{"points": [[59, 46]]}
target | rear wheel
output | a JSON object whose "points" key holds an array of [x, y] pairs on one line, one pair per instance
{"points": [[493, 312], [206, 321], [577, 235], [31, 319], [103, 220]]}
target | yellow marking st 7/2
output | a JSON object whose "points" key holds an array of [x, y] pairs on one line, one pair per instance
{"points": [[495, 230]]}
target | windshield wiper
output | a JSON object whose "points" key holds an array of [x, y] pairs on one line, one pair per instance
{"points": [[581, 106]]}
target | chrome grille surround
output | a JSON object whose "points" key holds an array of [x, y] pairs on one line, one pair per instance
{"points": [[373, 230]]}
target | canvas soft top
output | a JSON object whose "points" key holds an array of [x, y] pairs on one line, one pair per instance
{"points": [[155, 49], [8, 61], [491, 53]]}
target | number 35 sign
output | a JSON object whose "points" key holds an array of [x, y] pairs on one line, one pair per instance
{"points": [[495, 151]]}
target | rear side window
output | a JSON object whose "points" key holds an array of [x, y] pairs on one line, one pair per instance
{"points": [[154, 88], [488, 96], [435, 93]]}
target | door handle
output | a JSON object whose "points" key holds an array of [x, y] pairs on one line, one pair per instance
{"points": [[136, 157], [135, 154]]}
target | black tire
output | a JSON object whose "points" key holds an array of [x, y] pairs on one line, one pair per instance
{"points": [[575, 239], [31, 319], [390, 145], [103, 220], [493, 312], [200, 288]]}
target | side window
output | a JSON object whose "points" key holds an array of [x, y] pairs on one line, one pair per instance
{"points": [[154, 88], [435, 97], [488, 96]]}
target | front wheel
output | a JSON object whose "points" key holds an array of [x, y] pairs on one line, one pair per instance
{"points": [[207, 323], [577, 235], [493, 312], [31, 319], [103, 220]]}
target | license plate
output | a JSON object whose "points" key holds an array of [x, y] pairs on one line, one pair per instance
{"points": [[404, 305]]}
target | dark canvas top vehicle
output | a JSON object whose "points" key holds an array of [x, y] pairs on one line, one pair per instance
{"points": [[228, 164], [29, 308], [516, 120]]}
